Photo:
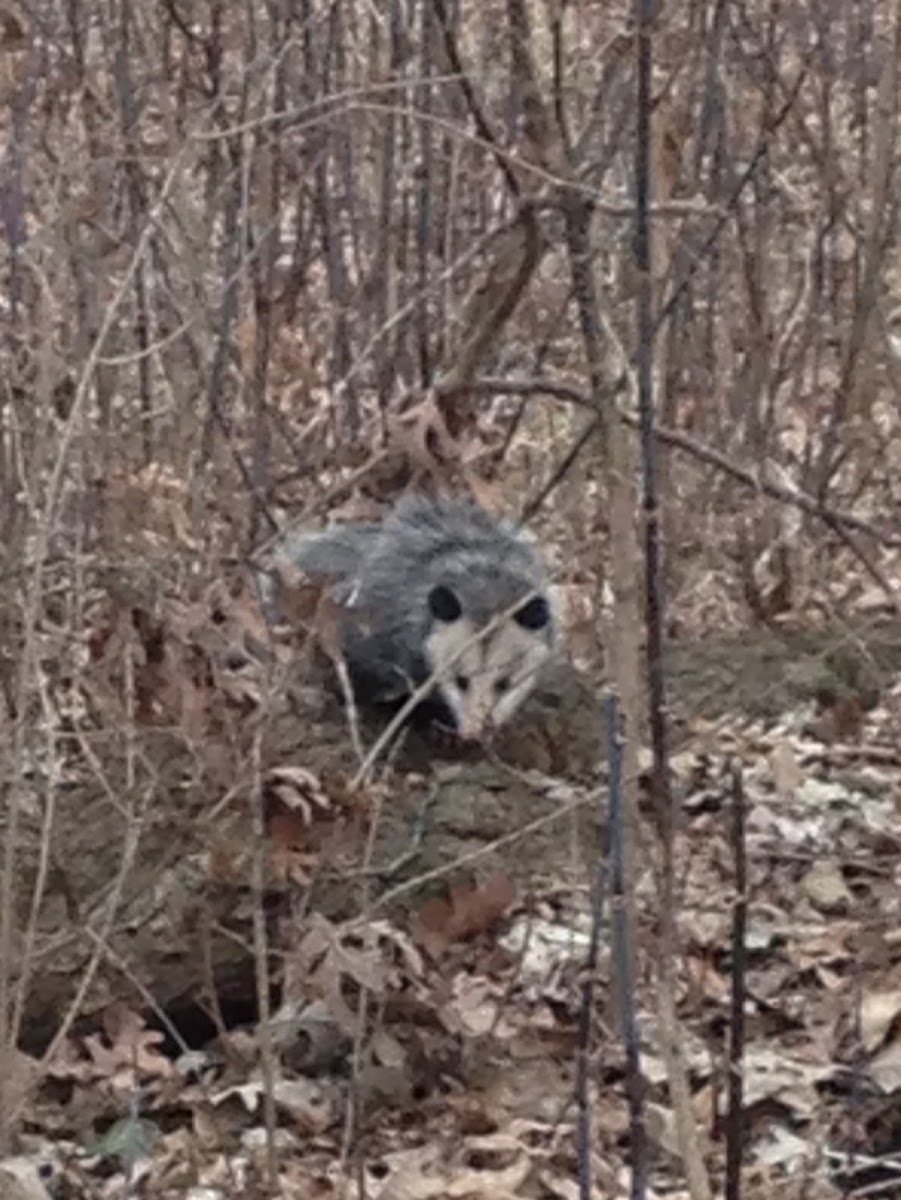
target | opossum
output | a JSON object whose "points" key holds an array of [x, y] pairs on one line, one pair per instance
{"points": [[437, 590]]}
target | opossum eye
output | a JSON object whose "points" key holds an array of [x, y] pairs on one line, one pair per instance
{"points": [[533, 615], [502, 685], [443, 604], [462, 682]]}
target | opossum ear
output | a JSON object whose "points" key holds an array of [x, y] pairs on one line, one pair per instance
{"points": [[443, 604], [534, 614]]}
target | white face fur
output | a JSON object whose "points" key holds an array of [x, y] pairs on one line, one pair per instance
{"points": [[484, 679]]}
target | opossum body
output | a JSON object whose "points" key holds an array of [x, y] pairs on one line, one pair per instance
{"points": [[437, 590]]}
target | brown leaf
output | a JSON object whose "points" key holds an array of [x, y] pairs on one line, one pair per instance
{"points": [[787, 775], [225, 859], [484, 493], [12, 31], [296, 596], [132, 1044], [291, 856], [244, 610], [841, 722], [468, 911], [422, 434]]}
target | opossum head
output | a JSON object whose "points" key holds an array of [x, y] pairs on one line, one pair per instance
{"points": [[485, 669]]}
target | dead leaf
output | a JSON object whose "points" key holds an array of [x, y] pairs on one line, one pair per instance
{"points": [[421, 1175], [885, 1068], [244, 609], [475, 1008], [128, 1052], [290, 856], [468, 911], [12, 31], [840, 722], [787, 775], [226, 860], [325, 961], [422, 435], [825, 887], [300, 790], [305, 1101], [485, 494], [773, 1074], [878, 1012], [248, 1093], [661, 1127]]}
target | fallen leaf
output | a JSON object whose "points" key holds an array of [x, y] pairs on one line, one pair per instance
{"points": [[885, 1068], [787, 775], [825, 887], [469, 910], [878, 1012]]}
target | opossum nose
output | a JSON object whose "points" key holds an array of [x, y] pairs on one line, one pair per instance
{"points": [[471, 732]]}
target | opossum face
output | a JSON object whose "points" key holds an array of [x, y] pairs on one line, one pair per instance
{"points": [[484, 674]]}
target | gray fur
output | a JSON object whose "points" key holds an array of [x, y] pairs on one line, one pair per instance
{"points": [[383, 573], [332, 553]]}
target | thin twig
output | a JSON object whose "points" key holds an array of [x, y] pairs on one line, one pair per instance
{"points": [[735, 1119], [756, 479]]}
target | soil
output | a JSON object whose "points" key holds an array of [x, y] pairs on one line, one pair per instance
{"points": [[762, 673]]}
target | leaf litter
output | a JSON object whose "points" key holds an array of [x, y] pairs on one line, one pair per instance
{"points": [[455, 1032]]}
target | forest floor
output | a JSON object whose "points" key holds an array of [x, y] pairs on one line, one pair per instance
{"points": [[461, 962]]}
